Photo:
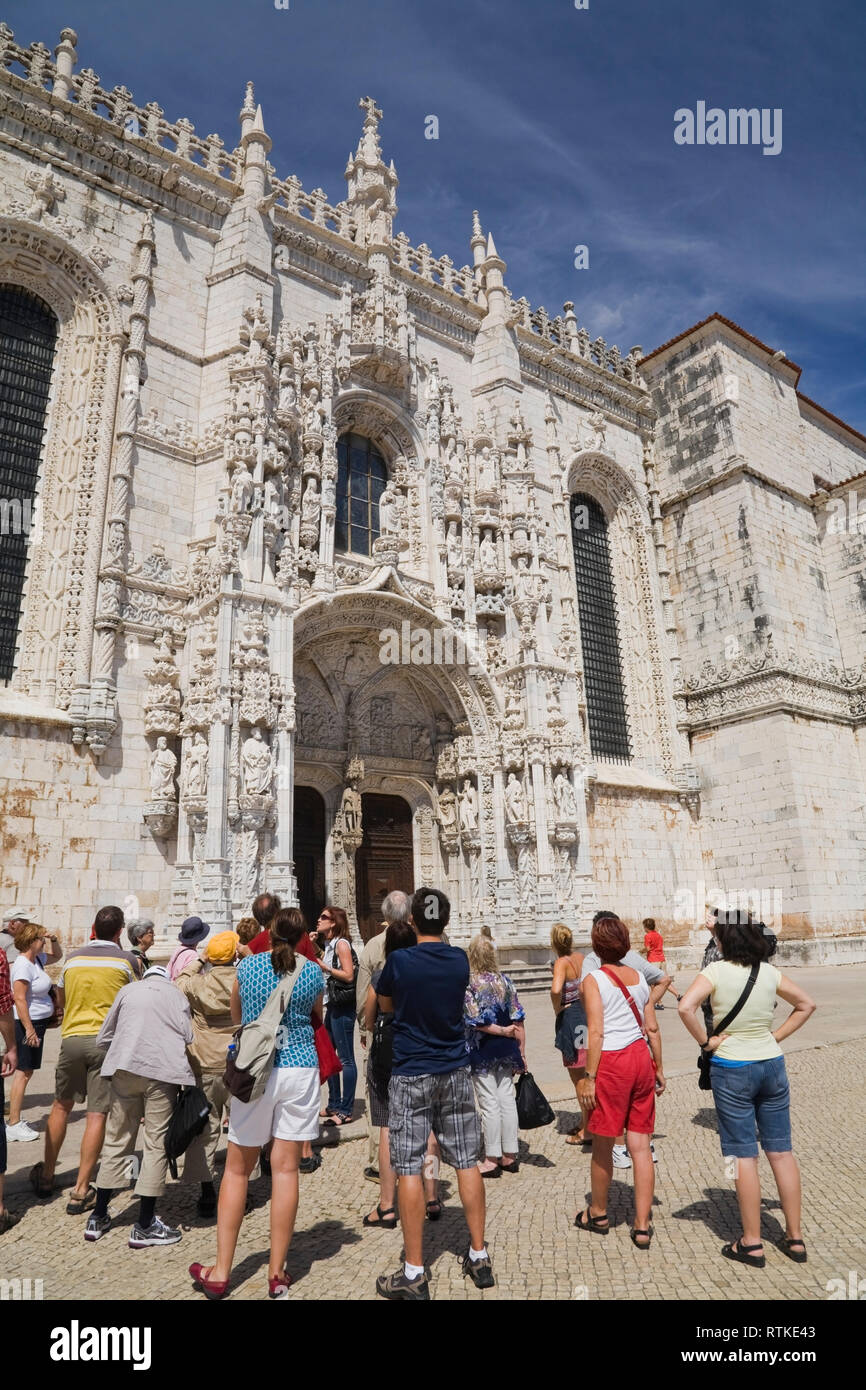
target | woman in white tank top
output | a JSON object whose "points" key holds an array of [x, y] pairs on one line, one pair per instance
{"points": [[622, 1078]]}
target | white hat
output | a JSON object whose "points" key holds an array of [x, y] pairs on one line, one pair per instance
{"points": [[15, 914]]}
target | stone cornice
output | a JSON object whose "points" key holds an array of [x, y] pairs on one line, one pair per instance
{"points": [[765, 682], [738, 467]]}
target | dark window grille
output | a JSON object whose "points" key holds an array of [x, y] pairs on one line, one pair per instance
{"points": [[599, 635], [361, 479], [28, 332]]}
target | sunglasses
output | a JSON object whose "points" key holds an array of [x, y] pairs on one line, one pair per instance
{"points": [[323, 917]]}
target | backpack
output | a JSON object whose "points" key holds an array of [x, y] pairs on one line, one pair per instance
{"points": [[188, 1119], [251, 1051], [342, 992], [382, 1047]]}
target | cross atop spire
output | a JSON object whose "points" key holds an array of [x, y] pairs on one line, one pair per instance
{"points": [[371, 183]]}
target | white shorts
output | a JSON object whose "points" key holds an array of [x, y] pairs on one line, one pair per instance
{"points": [[288, 1109]]}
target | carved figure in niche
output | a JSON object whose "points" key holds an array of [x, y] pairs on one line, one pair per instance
{"points": [[487, 551], [195, 775], [597, 429], [311, 505], [452, 463], [486, 471], [314, 412], [453, 547], [390, 511], [423, 748], [563, 795], [468, 807], [447, 810], [350, 808], [162, 766], [524, 581], [513, 707], [242, 488], [554, 710], [272, 495], [287, 388], [515, 802], [257, 765]]}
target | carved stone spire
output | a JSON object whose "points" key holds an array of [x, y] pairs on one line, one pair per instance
{"points": [[372, 183]]}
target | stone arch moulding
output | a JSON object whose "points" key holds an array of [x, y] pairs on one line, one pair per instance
{"points": [[320, 618], [60, 585], [367, 412], [638, 601]]}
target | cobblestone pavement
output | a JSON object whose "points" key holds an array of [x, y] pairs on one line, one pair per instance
{"points": [[537, 1253]]}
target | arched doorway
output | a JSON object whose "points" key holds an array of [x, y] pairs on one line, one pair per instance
{"points": [[384, 860], [310, 852]]}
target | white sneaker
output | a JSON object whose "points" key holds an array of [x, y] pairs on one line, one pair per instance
{"points": [[621, 1157], [653, 1152], [22, 1132]]}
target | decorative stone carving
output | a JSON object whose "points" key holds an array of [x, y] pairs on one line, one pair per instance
{"points": [[162, 699], [257, 765]]}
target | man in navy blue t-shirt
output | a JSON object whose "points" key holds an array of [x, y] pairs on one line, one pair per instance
{"points": [[431, 1088]]}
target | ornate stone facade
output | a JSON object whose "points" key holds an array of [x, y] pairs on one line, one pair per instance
{"points": [[194, 643]]}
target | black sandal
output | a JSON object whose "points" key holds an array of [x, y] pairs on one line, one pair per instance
{"points": [[740, 1253], [592, 1223], [40, 1187], [798, 1256], [634, 1233], [434, 1210], [510, 1167], [387, 1218]]}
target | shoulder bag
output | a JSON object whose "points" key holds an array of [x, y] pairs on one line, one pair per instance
{"points": [[251, 1052], [704, 1057]]}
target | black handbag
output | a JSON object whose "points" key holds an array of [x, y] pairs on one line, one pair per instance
{"points": [[342, 992], [382, 1047], [188, 1119], [704, 1057], [533, 1110]]}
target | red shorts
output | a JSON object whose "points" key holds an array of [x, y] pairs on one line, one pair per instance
{"points": [[625, 1092]]}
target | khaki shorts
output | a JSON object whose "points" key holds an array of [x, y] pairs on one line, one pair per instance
{"points": [[78, 1074]]}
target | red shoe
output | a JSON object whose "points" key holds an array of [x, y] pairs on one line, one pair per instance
{"points": [[278, 1287], [208, 1288]]}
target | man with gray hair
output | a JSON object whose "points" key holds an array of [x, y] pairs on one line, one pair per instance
{"points": [[396, 907]]}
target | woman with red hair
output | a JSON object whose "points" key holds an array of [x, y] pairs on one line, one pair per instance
{"points": [[622, 1079]]}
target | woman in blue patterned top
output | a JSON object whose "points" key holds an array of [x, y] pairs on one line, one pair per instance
{"points": [[496, 1039], [287, 1111]]}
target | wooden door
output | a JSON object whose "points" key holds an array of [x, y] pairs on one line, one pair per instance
{"points": [[384, 861], [309, 847]]}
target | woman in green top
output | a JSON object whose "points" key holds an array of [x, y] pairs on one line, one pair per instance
{"points": [[749, 1081]]}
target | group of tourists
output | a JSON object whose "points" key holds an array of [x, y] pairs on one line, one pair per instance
{"points": [[443, 1034]]}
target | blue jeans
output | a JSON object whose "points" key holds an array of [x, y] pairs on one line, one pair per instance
{"points": [[340, 1023], [749, 1099]]}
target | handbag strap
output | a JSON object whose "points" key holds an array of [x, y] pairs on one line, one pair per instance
{"points": [[732, 1014], [618, 982]]}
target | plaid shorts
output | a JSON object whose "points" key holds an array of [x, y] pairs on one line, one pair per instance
{"points": [[444, 1103]]}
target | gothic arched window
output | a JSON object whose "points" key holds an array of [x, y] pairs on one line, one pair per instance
{"points": [[361, 479], [596, 603], [28, 332]]}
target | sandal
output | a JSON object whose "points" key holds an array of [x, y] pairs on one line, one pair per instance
{"points": [[42, 1189], [338, 1120], [76, 1206], [511, 1167], [739, 1252], [492, 1172], [592, 1223], [799, 1256], [387, 1218], [635, 1232], [434, 1210], [7, 1221]]}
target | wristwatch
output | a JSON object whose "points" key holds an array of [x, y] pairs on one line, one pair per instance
{"points": [[587, 1077]]}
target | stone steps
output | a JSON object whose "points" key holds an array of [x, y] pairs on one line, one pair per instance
{"points": [[529, 979]]}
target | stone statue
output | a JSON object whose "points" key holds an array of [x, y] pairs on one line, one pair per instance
{"points": [[423, 748], [162, 765], [447, 811], [468, 807], [487, 551], [351, 810], [563, 795], [515, 804], [272, 495], [453, 547], [257, 766], [554, 710], [242, 488], [486, 471], [389, 511], [287, 388], [314, 412], [311, 505], [195, 773]]}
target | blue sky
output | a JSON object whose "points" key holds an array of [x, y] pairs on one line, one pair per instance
{"points": [[558, 125]]}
